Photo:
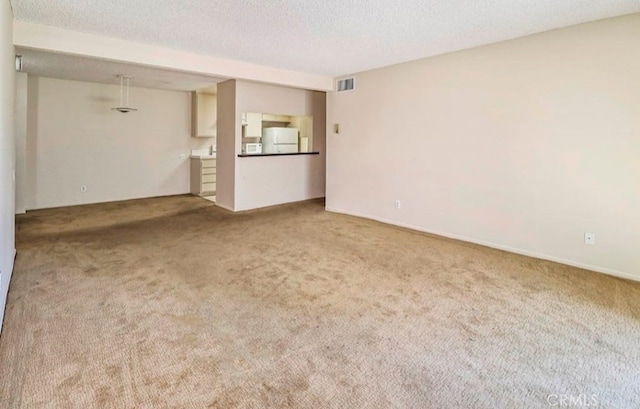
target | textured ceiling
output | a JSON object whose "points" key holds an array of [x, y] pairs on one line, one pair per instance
{"points": [[46, 64], [331, 37]]}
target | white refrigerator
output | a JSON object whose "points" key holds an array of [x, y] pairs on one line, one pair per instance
{"points": [[279, 140]]}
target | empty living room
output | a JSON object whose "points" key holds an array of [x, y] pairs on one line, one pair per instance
{"points": [[339, 204]]}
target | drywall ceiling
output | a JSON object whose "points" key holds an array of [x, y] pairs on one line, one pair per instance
{"points": [[79, 68], [330, 37]]}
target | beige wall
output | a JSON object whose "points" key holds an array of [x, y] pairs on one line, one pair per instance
{"points": [[523, 145], [7, 152], [226, 155], [272, 180], [75, 139]]}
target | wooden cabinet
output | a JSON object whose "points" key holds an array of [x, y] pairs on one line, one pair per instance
{"points": [[203, 176], [203, 115]]}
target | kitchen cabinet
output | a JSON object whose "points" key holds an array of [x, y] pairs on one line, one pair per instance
{"points": [[276, 118], [253, 127], [305, 126], [203, 115], [203, 176]]}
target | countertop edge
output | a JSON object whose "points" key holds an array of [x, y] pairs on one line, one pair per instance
{"points": [[250, 155], [202, 156]]}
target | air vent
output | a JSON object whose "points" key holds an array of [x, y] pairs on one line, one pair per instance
{"points": [[346, 84]]}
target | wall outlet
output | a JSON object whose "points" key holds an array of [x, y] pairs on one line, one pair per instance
{"points": [[590, 239], [397, 204], [182, 156], [83, 189]]}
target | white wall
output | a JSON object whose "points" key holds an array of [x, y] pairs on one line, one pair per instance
{"points": [[7, 152], [270, 180], [20, 127], [75, 139], [523, 145]]}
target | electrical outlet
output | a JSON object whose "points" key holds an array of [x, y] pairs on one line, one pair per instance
{"points": [[590, 239], [182, 156], [397, 204], [83, 189]]}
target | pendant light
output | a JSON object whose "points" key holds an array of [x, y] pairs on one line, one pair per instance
{"points": [[124, 96]]}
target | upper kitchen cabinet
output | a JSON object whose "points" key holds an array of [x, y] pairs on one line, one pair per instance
{"points": [[203, 115], [253, 124], [276, 118]]}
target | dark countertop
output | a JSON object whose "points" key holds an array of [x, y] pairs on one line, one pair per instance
{"points": [[248, 155]]}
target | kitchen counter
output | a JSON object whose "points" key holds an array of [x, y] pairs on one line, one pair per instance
{"points": [[247, 155], [212, 156], [203, 175]]}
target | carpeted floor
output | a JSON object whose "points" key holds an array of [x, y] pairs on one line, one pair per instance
{"points": [[175, 303]]}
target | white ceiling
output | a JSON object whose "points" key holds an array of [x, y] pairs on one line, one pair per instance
{"points": [[54, 65], [330, 37]]}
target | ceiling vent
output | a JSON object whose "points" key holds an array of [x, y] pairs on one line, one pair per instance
{"points": [[124, 96], [346, 84]]}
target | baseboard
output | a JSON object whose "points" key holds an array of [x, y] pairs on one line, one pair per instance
{"points": [[528, 253], [266, 206], [125, 199], [3, 296], [224, 207]]}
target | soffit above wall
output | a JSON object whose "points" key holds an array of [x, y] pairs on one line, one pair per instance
{"points": [[80, 68], [33, 36], [333, 37]]}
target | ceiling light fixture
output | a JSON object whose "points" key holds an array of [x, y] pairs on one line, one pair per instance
{"points": [[124, 102]]}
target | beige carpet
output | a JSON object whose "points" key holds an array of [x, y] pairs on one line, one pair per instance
{"points": [[175, 303]]}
